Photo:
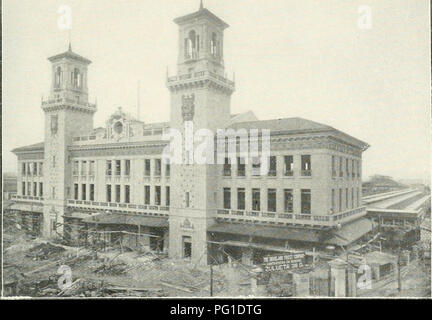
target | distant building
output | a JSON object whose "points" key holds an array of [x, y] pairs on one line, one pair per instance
{"points": [[380, 184], [83, 181], [9, 185]]}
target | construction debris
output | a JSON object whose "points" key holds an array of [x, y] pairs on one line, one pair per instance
{"points": [[44, 251]]}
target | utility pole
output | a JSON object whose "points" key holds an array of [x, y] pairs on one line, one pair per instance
{"points": [[399, 269], [211, 280]]}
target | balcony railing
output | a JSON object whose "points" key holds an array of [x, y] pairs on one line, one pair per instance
{"points": [[118, 206], [291, 218], [200, 74], [26, 198], [289, 173], [272, 173], [306, 173]]}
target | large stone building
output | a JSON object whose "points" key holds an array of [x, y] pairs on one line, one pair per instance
{"points": [[86, 183]]}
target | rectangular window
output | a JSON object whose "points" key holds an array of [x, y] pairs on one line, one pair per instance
{"points": [[117, 167], [127, 168], [333, 166], [256, 166], [347, 167], [127, 193], [256, 200], [83, 192], [23, 189], [92, 168], [241, 167], [271, 200], [29, 171], [53, 193], [35, 189], [241, 199], [358, 197], [158, 167], [84, 168], [340, 167], [108, 193], [306, 169], [75, 168], [288, 200], [187, 200], [146, 194], [352, 198], [353, 168], [272, 169], [41, 168], [117, 193], [305, 201], [35, 171], [157, 195], [227, 198], [147, 167], [358, 168], [340, 200], [227, 168], [29, 188], [168, 168], [108, 168], [76, 191], [167, 196], [333, 201], [91, 198], [40, 189], [23, 168], [346, 198]]}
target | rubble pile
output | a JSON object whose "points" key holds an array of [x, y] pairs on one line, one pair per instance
{"points": [[111, 269], [44, 251]]}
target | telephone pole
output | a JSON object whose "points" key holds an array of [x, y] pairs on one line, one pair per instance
{"points": [[211, 280]]}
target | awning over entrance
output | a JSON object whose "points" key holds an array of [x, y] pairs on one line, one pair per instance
{"points": [[351, 232], [115, 218], [255, 230], [26, 207]]}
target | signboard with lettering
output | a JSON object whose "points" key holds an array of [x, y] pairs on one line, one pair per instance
{"points": [[288, 261]]}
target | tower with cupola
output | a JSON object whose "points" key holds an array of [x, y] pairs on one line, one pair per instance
{"points": [[200, 99], [68, 113]]}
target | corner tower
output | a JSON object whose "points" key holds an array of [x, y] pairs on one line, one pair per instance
{"points": [[200, 99], [67, 114]]}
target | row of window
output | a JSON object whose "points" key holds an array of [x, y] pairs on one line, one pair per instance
{"points": [[113, 193], [348, 168], [114, 167], [84, 168], [32, 168], [76, 78], [31, 189], [288, 166], [350, 193], [91, 195], [288, 200]]}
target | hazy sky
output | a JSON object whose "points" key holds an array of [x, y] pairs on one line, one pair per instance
{"points": [[303, 58]]}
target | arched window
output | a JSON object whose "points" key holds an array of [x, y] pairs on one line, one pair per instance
{"points": [[77, 78], [191, 45], [58, 75], [213, 44]]}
